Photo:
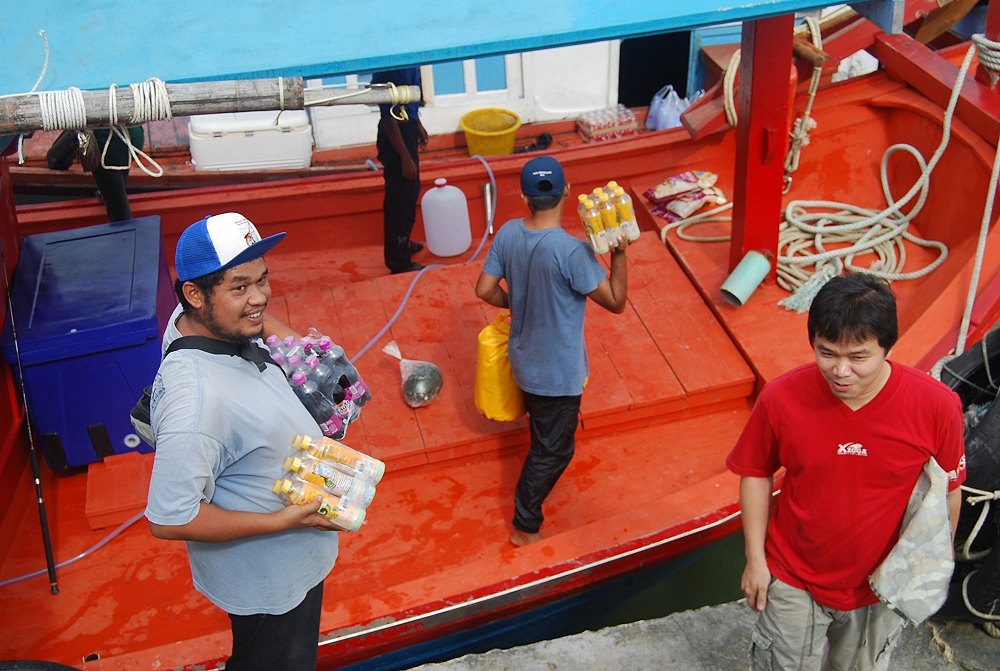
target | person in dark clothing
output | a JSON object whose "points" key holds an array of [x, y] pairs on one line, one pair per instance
{"points": [[400, 137], [111, 180]]}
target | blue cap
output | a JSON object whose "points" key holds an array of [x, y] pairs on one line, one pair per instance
{"points": [[542, 176], [218, 242]]}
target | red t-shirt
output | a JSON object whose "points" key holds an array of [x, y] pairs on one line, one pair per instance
{"points": [[848, 473]]}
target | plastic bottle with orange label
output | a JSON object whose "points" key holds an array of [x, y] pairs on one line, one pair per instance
{"points": [[327, 448], [626, 214], [336, 478], [609, 219], [591, 219], [342, 512]]}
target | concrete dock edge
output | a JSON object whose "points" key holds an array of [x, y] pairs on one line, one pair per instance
{"points": [[715, 638]]}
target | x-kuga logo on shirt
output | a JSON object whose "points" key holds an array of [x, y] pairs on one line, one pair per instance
{"points": [[852, 449]]}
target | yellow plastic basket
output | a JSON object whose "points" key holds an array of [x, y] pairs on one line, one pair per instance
{"points": [[490, 131]]}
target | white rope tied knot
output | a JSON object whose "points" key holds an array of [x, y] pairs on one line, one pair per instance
{"points": [[988, 53], [805, 123], [979, 496]]}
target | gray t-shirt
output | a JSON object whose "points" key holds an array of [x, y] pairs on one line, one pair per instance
{"points": [[547, 304], [223, 429]]}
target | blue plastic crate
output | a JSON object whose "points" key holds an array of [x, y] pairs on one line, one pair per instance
{"points": [[89, 307]]}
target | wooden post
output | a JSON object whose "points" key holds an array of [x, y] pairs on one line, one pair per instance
{"points": [[761, 137], [991, 32], [23, 113]]}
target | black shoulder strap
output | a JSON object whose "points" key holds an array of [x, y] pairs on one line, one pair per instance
{"points": [[248, 350]]}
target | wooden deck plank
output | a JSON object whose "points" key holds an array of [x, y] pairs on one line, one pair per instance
{"points": [[693, 341], [432, 329], [635, 357]]}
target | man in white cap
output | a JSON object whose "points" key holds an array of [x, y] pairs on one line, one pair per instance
{"points": [[224, 422]]}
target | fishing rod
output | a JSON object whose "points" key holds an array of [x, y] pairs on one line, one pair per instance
{"points": [[50, 563]]}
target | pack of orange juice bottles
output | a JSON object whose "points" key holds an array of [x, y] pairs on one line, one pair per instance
{"points": [[607, 217], [342, 477]]}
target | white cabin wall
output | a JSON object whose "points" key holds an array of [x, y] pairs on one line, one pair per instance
{"points": [[548, 85]]}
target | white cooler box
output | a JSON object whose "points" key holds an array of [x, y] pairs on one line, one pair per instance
{"points": [[251, 140]]}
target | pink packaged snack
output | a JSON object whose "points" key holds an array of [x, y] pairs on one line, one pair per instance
{"points": [[672, 187]]}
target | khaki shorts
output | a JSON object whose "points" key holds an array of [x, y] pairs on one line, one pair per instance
{"points": [[794, 633]]}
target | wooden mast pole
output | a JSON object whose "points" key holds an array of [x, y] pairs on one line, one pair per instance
{"points": [[761, 137], [23, 113]]}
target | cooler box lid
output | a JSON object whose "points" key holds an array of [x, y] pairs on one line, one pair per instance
{"points": [[84, 290], [243, 122]]}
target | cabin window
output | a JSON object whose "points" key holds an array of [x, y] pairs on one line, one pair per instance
{"points": [[456, 83]]}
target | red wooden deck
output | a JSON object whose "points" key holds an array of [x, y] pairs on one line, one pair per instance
{"points": [[672, 380], [668, 393]]}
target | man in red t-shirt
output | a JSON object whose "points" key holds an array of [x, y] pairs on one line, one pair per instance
{"points": [[853, 432]]}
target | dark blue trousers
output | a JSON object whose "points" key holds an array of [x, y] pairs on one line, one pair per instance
{"points": [[552, 421], [399, 204]]}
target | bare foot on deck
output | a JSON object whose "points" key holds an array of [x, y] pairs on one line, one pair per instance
{"points": [[522, 538]]}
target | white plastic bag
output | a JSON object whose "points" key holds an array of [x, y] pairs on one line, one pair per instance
{"points": [[655, 104], [669, 114]]}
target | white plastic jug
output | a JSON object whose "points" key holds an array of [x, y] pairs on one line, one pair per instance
{"points": [[446, 219]]}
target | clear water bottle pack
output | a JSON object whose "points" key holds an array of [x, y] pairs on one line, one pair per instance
{"points": [[323, 378]]}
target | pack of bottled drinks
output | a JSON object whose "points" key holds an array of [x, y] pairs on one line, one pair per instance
{"points": [[323, 378], [607, 216], [341, 477], [607, 124]]}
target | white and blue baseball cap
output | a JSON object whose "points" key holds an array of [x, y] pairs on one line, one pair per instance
{"points": [[218, 242]]}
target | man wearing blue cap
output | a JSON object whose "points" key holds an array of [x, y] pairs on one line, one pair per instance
{"points": [[224, 422], [549, 276]]}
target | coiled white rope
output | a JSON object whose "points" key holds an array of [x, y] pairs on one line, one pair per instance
{"points": [[62, 109], [804, 235], [151, 102], [861, 231]]}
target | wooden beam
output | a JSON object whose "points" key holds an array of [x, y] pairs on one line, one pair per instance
{"points": [[907, 60], [940, 21], [23, 113], [763, 103]]}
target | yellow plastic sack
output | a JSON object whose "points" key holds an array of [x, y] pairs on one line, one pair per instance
{"points": [[496, 393]]}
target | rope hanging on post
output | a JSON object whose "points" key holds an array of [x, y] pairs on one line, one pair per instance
{"points": [[805, 123], [38, 82], [150, 103]]}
